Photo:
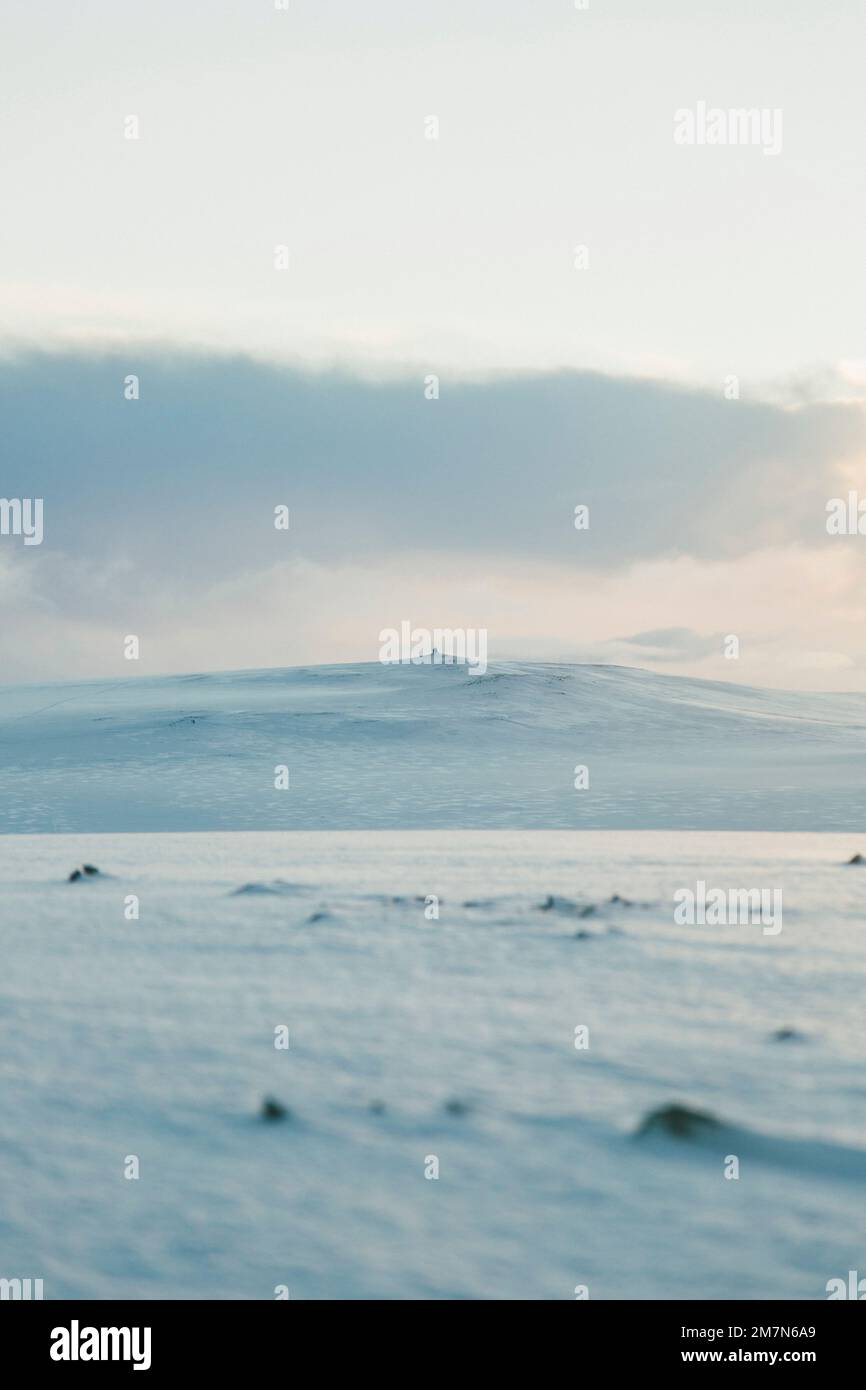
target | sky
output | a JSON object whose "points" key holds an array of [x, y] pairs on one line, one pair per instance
{"points": [[585, 289]]}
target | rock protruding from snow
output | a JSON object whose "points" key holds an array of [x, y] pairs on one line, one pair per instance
{"points": [[273, 1110], [458, 1107], [678, 1121], [85, 871]]}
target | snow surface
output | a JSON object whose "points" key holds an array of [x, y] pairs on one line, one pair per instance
{"points": [[372, 746], [155, 1038], [411, 1038]]}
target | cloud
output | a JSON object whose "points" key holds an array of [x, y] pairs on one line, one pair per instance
{"points": [[451, 512], [673, 644]]}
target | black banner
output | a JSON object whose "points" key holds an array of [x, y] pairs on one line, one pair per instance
{"points": [[221, 1338]]}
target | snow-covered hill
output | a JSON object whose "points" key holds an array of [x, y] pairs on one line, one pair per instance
{"points": [[372, 746]]}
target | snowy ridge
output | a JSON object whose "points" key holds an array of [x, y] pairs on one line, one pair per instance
{"points": [[372, 746]]}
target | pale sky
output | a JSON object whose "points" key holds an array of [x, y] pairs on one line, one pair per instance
{"points": [[260, 127], [305, 127]]}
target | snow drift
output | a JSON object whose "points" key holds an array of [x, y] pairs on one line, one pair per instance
{"points": [[377, 747]]}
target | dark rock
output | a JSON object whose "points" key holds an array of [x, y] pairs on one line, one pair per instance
{"points": [[856, 859], [457, 1107], [553, 904], [319, 917], [787, 1035], [678, 1121], [85, 871], [583, 935], [623, 902], [273, 1110]]}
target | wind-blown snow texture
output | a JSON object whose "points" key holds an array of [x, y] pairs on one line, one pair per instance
{"points": [[411, 1038], [372, 746]]}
